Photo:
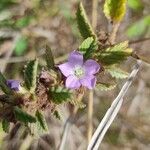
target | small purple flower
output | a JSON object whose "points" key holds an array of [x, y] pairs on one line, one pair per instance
{"points": [[79, 72], [13, 84]]}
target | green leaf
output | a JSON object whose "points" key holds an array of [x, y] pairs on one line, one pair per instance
{"points": [[105, 86], [84, 26], [21, 46], [23, 22], [4, 4], [3, 85], [41, 120], [115, 54], [88, 46], [117, 72], [23, 116], [30, 75], [142, 25], [78, 104], [114, 10], [49, 58], [5, 125], [135, 4], [59, 94]]}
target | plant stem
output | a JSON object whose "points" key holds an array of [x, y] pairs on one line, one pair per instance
{"points": [[112, 36], [94, 13], [90, 96], [139, 40], [90, 116]]}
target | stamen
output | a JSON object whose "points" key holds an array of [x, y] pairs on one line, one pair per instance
{"points": [[79, 72]]}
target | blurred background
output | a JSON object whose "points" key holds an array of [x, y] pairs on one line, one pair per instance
{"points": [[27, 25]]}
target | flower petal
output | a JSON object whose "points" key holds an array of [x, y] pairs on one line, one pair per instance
{"points": [[13, 84], [72, 82], [75, 58], [88, 81], [91, 66], [66, 69]]}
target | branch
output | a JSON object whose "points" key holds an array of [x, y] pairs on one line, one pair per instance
{"points": [[139, 40], [112, 111]]}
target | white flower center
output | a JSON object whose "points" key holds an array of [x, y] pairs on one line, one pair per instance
{"points": [[79, 71]]}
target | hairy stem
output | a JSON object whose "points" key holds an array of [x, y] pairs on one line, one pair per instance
{"points": [[94, 13], [90, 116], [90, 96], [112, 36]]}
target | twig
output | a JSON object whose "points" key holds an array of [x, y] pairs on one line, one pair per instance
{"points": [[112, 111], [140, 57], [24, 59], [139, 40]]}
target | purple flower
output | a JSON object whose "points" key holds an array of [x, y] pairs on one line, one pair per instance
{"points": [[13, 84], [79, 72]]}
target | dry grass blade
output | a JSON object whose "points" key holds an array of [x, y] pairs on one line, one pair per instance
{"points": [[112, 112]]}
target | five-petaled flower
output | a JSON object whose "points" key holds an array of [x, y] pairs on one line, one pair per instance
{"points": [[13, 84], [78, 72]]}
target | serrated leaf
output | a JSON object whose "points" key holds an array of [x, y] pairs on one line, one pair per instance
{"points": [[77, 103], [21, 46], [41, 120], [114, 10], [56, 114], [5, 125], [22, 116], [49, 58], [30, 75], [59, 94], [4, 86], [115, 54], [87, 47], [105, 86], [117, 72], [84, 25]]}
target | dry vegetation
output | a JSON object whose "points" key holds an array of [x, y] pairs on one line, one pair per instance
{"points": [[53, 22]]}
